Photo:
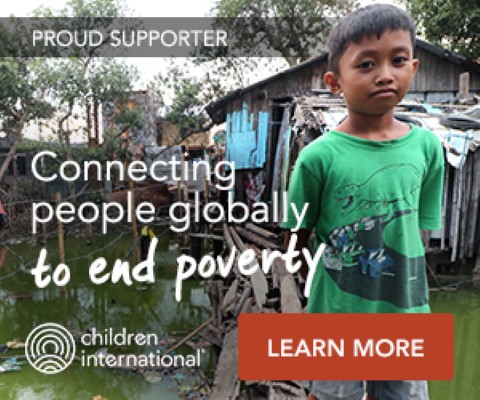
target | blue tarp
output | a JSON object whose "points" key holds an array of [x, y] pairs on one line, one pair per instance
{"points": [[244, 145]]}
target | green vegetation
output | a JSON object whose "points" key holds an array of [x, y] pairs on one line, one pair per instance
{"points": [[449, 23]]}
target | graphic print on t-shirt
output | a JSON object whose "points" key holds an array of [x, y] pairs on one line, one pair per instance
{"points": [[371, 194], [366, 250]]}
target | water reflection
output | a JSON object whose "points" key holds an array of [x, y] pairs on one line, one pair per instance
{"points": [[83, 305], [154, 310]]}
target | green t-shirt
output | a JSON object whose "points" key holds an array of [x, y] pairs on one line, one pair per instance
{"points": [[368, 201]]}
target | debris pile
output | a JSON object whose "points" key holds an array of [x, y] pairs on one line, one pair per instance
{"points": [[278, 291]]}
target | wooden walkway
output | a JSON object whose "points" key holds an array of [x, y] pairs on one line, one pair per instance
{"points": [[275, 292]]}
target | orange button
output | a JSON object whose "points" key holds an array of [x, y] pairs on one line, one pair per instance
{"points": [[345, 347]]}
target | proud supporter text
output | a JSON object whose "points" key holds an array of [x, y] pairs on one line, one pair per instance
{"points": [[129, 38]]}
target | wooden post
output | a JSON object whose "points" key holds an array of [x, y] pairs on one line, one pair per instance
{"points": [[184, 180], [96, 130], [11, 213], [43, 236], [184, 183], [206, 188], [89, 125], [444, 207], [61, 243], [463, 86], [179, 191], [207, 178], [89, 231], [181, 241], [131, 187]]}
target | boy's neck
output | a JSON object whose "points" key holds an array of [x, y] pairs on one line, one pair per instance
{"points": [[373, 127]]}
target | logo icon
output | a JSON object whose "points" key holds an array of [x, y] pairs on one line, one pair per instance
{"points": [[50, 348]]}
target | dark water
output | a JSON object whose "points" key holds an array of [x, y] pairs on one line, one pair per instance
{"points": [[137, 308], [153, 309]]}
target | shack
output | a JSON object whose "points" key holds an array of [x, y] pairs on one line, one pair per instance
{"points": [[264, 120], [267, 125]]}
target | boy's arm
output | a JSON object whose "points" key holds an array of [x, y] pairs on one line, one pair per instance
{"points": [[430, 207], [302, 242]]}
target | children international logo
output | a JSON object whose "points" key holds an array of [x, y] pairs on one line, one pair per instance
{"points": [[50, 348]]}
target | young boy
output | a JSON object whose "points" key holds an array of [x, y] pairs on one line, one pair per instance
{"points": [[371, 185]]}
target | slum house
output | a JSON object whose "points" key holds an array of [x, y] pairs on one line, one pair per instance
{"points": [[267, 124], [259, 133], [196, 147]]}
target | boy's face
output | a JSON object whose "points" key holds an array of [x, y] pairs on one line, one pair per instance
{"points": [[374, 75]]}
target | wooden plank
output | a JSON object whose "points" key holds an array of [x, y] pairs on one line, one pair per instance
{"points": [[280, 268], [444, 207], [463, 84], [456, 205], [214, 295], [474, 195], [61, 248], [258, 252], [230, 296], [211, 337], [269, 157], [218, 311], [236, 239], [189, 336], [275, 277], [228, 237], [243, 299], [289, 300], [206, 236], [257, 239], [226, 385], [247, 307], [279, 390], [275, 393], [261, 231], [463, 220], [259, 284]]}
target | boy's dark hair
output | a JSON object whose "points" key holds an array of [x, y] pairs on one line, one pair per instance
{"points": [[370, 20]]}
